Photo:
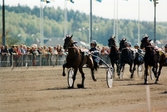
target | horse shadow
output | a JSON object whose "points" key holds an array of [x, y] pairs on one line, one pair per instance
{"points": [[57, 88], [124, 79], [165, 92], [137, 84]]}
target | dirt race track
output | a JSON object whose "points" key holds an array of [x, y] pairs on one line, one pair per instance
{"points": [[44, 89]]}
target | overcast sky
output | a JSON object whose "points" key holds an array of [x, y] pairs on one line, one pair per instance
{"points": [[126, 9]]}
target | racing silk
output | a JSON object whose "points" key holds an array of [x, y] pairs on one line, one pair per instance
{"points": [[96, 53]]}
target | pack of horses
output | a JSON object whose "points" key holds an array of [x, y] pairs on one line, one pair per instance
{"points": [[118, 56], [152, 57], [125, 55]]}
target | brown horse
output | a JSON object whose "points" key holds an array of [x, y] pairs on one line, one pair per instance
{"points": [[114, 53], [76, 59], [152, 58], [126, 57]]}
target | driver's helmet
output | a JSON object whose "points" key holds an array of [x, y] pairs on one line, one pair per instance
{"points": [[129, 44], [136, 45], [93, 42], [165, 45]]}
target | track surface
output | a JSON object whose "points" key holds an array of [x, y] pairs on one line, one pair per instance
{"points": [[44, 89]]}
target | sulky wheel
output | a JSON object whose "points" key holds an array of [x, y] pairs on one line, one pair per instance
{"points": [[140, 71], [109, 77], [70, 77]]}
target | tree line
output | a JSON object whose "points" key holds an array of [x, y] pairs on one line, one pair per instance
{"points": [[23, 26]]}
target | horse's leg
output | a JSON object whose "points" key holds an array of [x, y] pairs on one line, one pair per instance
{"points": [[92, 73], [117, 65], [162, 60], [154, 69], [91, 66], [146, 74], [122, 65], [133, 70], [64, 65], [130, 67], [112, 64], [83, 78], [159, 73], [119, 71], [123, 68]]}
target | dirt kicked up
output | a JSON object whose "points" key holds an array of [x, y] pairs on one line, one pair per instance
{"points": [[44, 89]]}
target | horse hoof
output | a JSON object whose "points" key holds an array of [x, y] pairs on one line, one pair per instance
{"points": [[131, 76], [70, 87], [80, 86], [119, 77], [146, 83], [95, 80], [64, 74]]}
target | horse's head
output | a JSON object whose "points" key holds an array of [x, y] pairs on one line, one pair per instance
{"points": [[122, 44], [145, 42], [111, 41], [68, 42]]}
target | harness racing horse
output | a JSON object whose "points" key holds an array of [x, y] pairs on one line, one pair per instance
{"points": [[138, 60], [76, 59], [126, 57], [114, 53], [152, 58]]}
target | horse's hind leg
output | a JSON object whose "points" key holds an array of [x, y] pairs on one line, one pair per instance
{"points": [[132, 71], [64, 65], [117, 65], [112, 64], [121, 70], [154, 69], [130, 68], [158, 74], [90, 64], [146, 74], [92, 73]]}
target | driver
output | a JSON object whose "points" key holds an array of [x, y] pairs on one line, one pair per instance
{"points": [[136, 46], [95, 52]]}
